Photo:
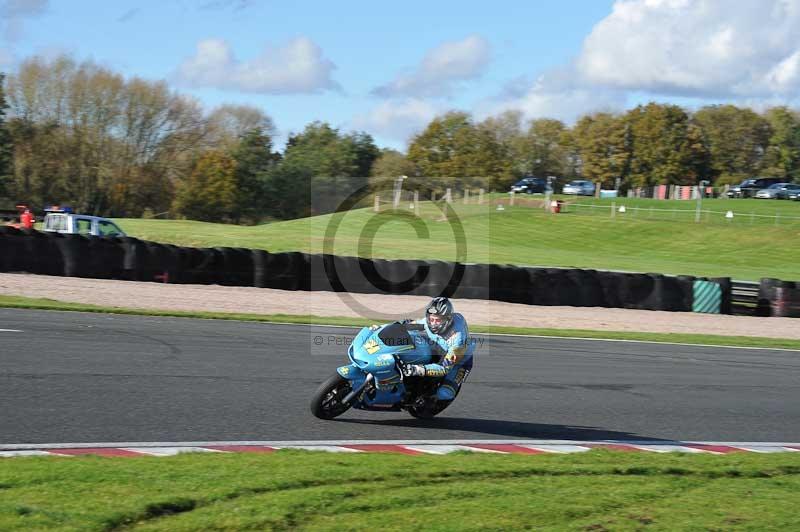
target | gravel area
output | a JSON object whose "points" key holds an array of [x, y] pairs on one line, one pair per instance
{"points": [[215, 298]]}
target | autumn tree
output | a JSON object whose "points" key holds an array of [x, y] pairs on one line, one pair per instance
{"points": [[320, 167], [662, 151], [84, 135], [603, 144], [209, 193], [782, 158], [254, 159], [737, 141], [389, 165], [546, 149], [452, 151]]}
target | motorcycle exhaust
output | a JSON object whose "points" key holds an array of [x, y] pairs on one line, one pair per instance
{"points": [[355, 393]]}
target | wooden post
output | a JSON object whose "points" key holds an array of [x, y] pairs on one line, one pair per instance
{"points": [[448, 196], [466, 196], [416, 202], [480, 196], [377, 205], [511, 201]]}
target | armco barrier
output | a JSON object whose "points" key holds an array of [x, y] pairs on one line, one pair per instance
{"points": [[130, 258]]}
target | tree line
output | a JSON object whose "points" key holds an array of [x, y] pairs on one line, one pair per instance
{"points": [[82, 134], [652, 144]]}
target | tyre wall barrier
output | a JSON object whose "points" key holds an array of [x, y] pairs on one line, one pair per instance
{"points": [[130, 258], [726, 286], [12, 251], [778, 298], [766, 294], [707, 297]]}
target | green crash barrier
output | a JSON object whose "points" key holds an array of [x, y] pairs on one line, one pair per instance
{"points": [[707, 297]]}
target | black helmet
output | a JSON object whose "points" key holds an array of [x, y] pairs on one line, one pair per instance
{"points": [[439, 306]]}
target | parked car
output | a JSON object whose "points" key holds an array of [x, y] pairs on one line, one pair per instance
{"points": [[771, 192], [794, 195], [530, 185], [786, 191], [579, 188], [63, 221], [749, 187]]}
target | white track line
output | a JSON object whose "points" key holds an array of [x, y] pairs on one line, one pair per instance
{"points": [[10, 330]]}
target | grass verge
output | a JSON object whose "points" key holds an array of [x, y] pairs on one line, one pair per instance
{"points": [[642, 240], [291, 490], [704, 339]]}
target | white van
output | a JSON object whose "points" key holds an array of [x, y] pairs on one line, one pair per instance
{"points": [[80, 224]]}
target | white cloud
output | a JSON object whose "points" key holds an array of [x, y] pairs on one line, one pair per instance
{"points": [[559, 93], [296, 67], [14, 12], [441, 68], [708, 48], [22, 8], [397, 120]]}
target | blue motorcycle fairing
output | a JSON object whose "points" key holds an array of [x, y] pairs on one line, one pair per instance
{"points": [[370, 354], [350, 372]]}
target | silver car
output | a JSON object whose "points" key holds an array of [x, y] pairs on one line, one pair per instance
{"points": [[771, 192], [579, 188]]}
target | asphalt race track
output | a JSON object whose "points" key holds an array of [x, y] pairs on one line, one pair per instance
{"points": [[75, 377]]}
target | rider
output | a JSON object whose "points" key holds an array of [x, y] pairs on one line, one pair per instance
{"points": [[448, 331]]}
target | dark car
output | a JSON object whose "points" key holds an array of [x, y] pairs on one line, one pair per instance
{"points": [[749, 187], [530, 185], [786, 191]]}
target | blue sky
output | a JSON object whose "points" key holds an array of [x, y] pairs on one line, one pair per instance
{"points": [[388, 68]]}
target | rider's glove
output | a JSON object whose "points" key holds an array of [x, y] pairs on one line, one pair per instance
{"points": [[413, 370]]}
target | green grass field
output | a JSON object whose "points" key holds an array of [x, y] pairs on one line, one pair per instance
{"points": [[296, 490], [583, 237]]}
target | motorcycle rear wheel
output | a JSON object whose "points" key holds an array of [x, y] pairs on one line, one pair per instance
{"points": [[327, 400]]}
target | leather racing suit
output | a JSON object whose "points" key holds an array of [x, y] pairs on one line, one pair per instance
{"points": [[456, 362]]}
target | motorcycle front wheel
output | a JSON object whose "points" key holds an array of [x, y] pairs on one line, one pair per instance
{"points": [[327, 400]]}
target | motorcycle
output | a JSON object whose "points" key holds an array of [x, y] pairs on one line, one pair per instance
{"points": [[374, 379]]}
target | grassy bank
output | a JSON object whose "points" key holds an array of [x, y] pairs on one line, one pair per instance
{"points": [[699, 339], [291, 490], [584, 237]]}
